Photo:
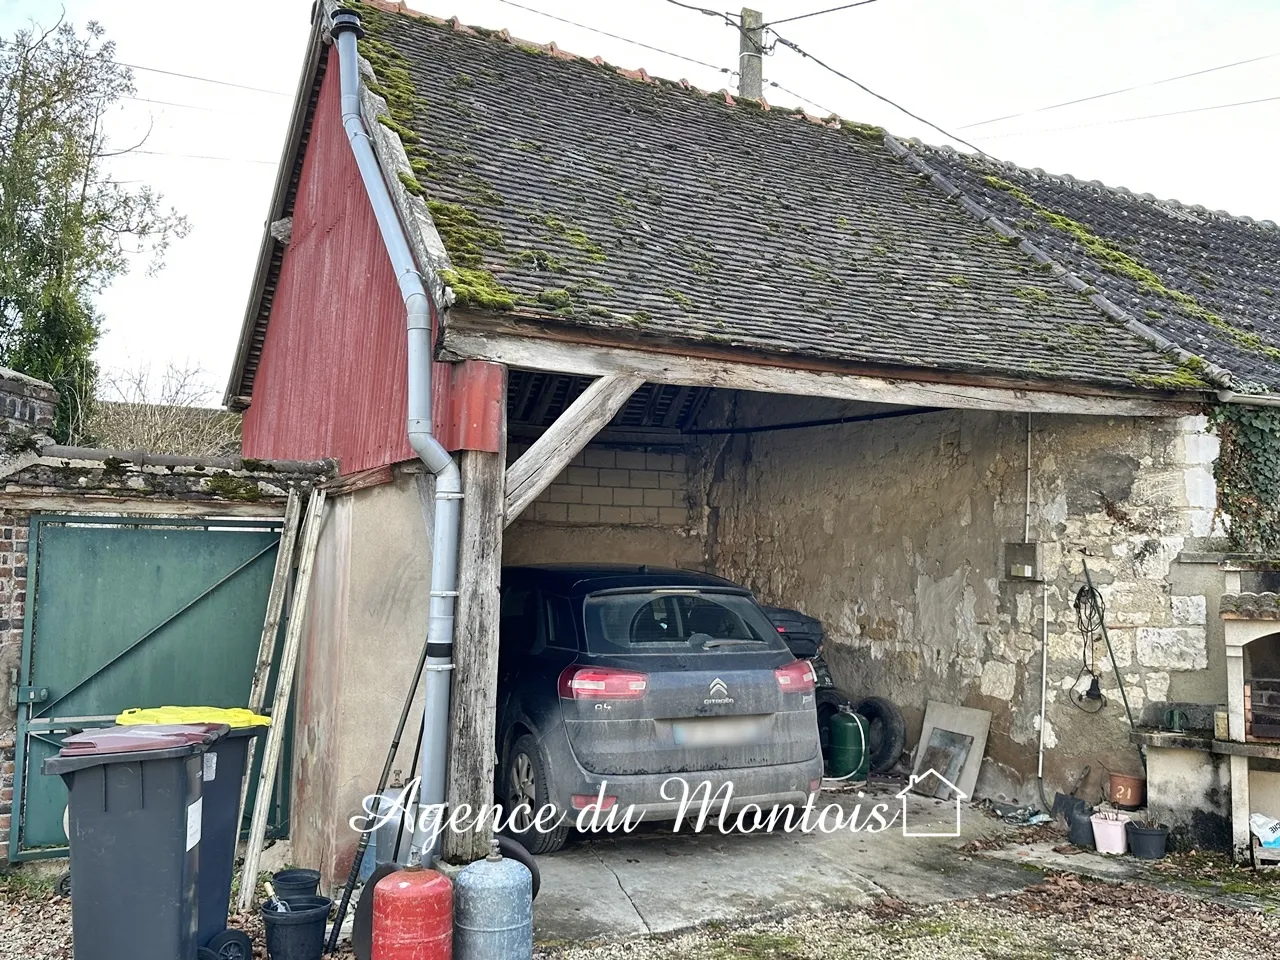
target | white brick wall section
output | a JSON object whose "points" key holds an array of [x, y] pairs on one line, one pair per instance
{"points": [[614, 486]]}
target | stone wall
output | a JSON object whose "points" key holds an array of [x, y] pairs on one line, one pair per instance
{"points": [[26, 407], [893, 533]]}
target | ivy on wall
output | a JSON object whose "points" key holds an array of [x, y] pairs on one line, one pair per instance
{"points": [[1247, 473]]}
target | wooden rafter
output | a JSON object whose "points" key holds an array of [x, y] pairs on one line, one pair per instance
{"points": [[564, 440]]}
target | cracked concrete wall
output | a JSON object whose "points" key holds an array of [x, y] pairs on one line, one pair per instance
{"points": [[893, 533]]}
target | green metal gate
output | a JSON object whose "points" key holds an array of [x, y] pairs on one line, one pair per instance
{"points": [[131, 612]]}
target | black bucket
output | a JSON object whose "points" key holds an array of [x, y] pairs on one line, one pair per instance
{"points": [[298, 934], [296, 883], [1080, 827], [1147, 843]]}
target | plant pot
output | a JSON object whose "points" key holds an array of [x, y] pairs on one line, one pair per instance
{"points": [[1126, 792], [1080, 828], [299, 933], [1147, 843], [296, 883], [1109, 835]]}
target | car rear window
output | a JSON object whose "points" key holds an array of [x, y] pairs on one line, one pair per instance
{"points": [[677, 621]]}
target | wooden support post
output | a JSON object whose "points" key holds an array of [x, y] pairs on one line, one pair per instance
{"points": [[271, 630], [473, 715], [564, 440], [284, 692]]}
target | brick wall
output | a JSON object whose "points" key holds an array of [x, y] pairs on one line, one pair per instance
{"points": [[26, 404], [13, 602], [614, 486]]}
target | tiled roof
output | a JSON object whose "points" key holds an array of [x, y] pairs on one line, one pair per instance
{"points": [[596, 198], [1206, 280]]}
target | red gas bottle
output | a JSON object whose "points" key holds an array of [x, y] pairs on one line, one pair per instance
{"points": [[413, 916]]}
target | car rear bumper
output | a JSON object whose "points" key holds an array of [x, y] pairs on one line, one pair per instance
{"points": [[669, 796]]}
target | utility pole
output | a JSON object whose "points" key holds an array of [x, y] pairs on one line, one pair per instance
{"points": [[751, 55]]}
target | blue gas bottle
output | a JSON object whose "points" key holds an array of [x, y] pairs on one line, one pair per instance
{"points": [[493, 910]]}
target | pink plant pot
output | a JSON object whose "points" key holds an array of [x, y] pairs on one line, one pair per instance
{"points": [[1109, 836]]}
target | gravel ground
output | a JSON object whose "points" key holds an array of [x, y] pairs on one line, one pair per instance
{"points": [[1064, 916]]}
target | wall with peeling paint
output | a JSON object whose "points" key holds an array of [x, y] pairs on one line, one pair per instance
{"points": [[893, 532]]}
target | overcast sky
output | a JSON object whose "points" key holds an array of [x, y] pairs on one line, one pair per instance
{"points": [[213, 148]]}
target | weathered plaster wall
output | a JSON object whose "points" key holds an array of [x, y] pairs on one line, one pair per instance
{"points": [[611, 505], [892, 533], [365, 630], [1190, 790]]}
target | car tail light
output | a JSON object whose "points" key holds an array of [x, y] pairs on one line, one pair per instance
{"points": [[581, 801], [796, 677], [602, 683]]}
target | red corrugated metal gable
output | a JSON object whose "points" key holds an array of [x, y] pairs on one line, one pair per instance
{"points": [[332, 378]]}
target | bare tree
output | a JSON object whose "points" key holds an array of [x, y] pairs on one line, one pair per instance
{"points": [[169, 413]]}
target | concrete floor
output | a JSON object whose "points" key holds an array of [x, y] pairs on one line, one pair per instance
{"points": [[654, 881]]}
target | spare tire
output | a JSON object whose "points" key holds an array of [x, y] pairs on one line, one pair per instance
{"points": [[887, 733]]}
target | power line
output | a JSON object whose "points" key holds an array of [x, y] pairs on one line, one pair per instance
{"points": [[184, 76], [1146, 116], [865, 89], [196, 156], [812, 103], [728, 18], [818, 13], [614, 36], [188, 76], [1112, 93]]}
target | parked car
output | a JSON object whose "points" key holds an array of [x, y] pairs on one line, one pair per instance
{"points": [[886, 728], [628, 676]]}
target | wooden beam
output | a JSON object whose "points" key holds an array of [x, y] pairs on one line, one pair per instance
{"points": [[564, 440], [474, 702], [283, 696], [519, 350], [78, 503]]}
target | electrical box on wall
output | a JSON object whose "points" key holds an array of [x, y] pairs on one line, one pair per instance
{"points": [[1022, 561]]}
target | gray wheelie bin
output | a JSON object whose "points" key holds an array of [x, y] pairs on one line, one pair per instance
{"points": [[135, 827]]}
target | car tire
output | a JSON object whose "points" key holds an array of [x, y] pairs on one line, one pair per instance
{"points": [[513, 849], [829, 703], [525, 782], [887, 736]]}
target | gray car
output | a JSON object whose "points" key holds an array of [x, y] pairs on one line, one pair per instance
{"points": [[621, 678]]}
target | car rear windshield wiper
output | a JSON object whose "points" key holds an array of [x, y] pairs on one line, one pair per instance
{"points": [[728, 641]]}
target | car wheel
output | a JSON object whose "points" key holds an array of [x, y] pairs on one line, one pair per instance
{"points": [[829, 703], [886, 734], [525, 791]]}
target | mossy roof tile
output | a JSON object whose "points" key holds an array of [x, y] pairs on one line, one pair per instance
{"points": [[651, 208], [1208, 281]]}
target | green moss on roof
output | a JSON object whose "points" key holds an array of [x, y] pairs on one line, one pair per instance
{"points": [[863, 131], [1033, 294], [554, 298], [575, 235], [1187, 376], [1115, 260], [478, 288], [464, 235]]}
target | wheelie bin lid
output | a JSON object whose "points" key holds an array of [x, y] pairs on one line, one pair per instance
{"points": [[131, 744], [243, 722]]}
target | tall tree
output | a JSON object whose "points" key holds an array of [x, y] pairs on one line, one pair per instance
{"points": [[67, 228]]}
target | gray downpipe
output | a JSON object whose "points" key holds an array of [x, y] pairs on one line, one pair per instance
{"points": [[448, 494]]}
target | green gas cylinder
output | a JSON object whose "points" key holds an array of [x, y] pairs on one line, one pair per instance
{"points": [[850, 754]]}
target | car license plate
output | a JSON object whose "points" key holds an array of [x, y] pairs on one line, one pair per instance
{"points": [[718, 731]]}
